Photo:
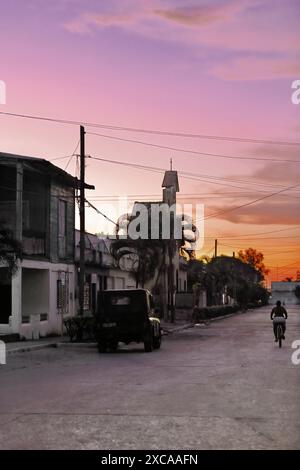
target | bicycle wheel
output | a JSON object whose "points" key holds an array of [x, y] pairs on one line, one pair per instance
{"points": [[279, 335]]}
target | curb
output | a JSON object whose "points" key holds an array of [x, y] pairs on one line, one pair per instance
{"points": [[167, 331], [92, 344], [239, 312], [58, 344], [191, 325], [32, 347]]}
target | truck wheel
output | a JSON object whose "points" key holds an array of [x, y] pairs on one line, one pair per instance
{"points": [[157, 341], [113, 345], [101, 346], [148, 341]]}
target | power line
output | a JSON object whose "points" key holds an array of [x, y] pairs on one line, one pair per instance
{"points": [[260, 233], [249, 203], [246, 239], [193, 152], [285, 266], [180, 198], [183, 174], [59, 158], [72, 155], [155, 169], [264, 253], [100, 213], [152, 131]]}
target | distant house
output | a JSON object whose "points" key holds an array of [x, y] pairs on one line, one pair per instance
{"points": [[285, 292], [37, 202], [101, 270]]}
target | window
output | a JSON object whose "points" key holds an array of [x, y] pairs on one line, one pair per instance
{"points": [[60, 294], [87, 296], [62, 228]]}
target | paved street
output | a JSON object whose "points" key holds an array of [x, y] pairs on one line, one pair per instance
{"points": [[224, 386]]}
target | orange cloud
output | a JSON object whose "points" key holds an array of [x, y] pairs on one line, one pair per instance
{"points": [[205, 14], [283, 212]]}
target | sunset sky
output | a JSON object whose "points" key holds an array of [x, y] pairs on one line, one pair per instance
{"points": [[220, 68]]}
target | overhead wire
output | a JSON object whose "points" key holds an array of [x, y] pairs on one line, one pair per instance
{"points": [[152, 131]]}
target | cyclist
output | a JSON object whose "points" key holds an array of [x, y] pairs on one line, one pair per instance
{"points": [[279, 314]]}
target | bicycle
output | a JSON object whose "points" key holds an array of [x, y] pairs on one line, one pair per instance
{"points": [[279, 329]]}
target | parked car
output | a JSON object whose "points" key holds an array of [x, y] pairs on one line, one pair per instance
{"points": [[126, 316]]}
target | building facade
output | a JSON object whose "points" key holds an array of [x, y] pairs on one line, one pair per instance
{"points": [[101, 270], [37, 204], [285, 292]]}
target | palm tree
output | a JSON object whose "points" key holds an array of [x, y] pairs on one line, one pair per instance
{"points": [[145, 255], [10, 249], [148, 255]]}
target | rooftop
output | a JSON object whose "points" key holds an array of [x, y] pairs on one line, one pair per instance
{"points": [[43, 166]]}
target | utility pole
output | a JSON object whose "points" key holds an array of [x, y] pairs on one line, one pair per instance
{"points": [[171, 268], [234, 282], [82, 222], [171, 187], [216, 248]]}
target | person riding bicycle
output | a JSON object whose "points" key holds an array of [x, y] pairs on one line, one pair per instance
{"points": [[280, 314]]}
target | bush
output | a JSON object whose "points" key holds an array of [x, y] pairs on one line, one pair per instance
{"points": [[80, 328], [217, 311]]}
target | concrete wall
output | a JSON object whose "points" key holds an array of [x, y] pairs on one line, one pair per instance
{"points": [[118, 279], [185, 300], [34, 293]]}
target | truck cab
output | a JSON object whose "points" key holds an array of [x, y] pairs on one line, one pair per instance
{"points": [[127, 315]]}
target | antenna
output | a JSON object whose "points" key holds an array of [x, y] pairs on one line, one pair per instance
{"points": [[171, 164]]}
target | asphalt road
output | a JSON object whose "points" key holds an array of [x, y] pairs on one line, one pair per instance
{"points": [[224, 386]]}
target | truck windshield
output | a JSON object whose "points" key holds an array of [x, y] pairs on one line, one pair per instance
{"points": [[129, 302]]}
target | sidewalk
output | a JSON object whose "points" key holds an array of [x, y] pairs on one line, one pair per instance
{"points": [[169, 328], [23, 346], [56, 341]]}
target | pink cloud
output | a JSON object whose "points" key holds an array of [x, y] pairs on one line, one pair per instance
{"points": [[254, 68], [233, 26], [83, 23], [279, 173]]}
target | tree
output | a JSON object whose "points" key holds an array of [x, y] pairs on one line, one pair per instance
{"points": [[229, 276], [10, 250], [255, 259], [146, 256]]}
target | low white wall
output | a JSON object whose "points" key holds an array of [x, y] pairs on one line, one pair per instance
{"points": [[39, 296]]}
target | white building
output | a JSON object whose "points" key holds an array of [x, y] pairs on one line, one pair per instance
{"points": [[101, 270], [285, 292], [37, 204]]}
